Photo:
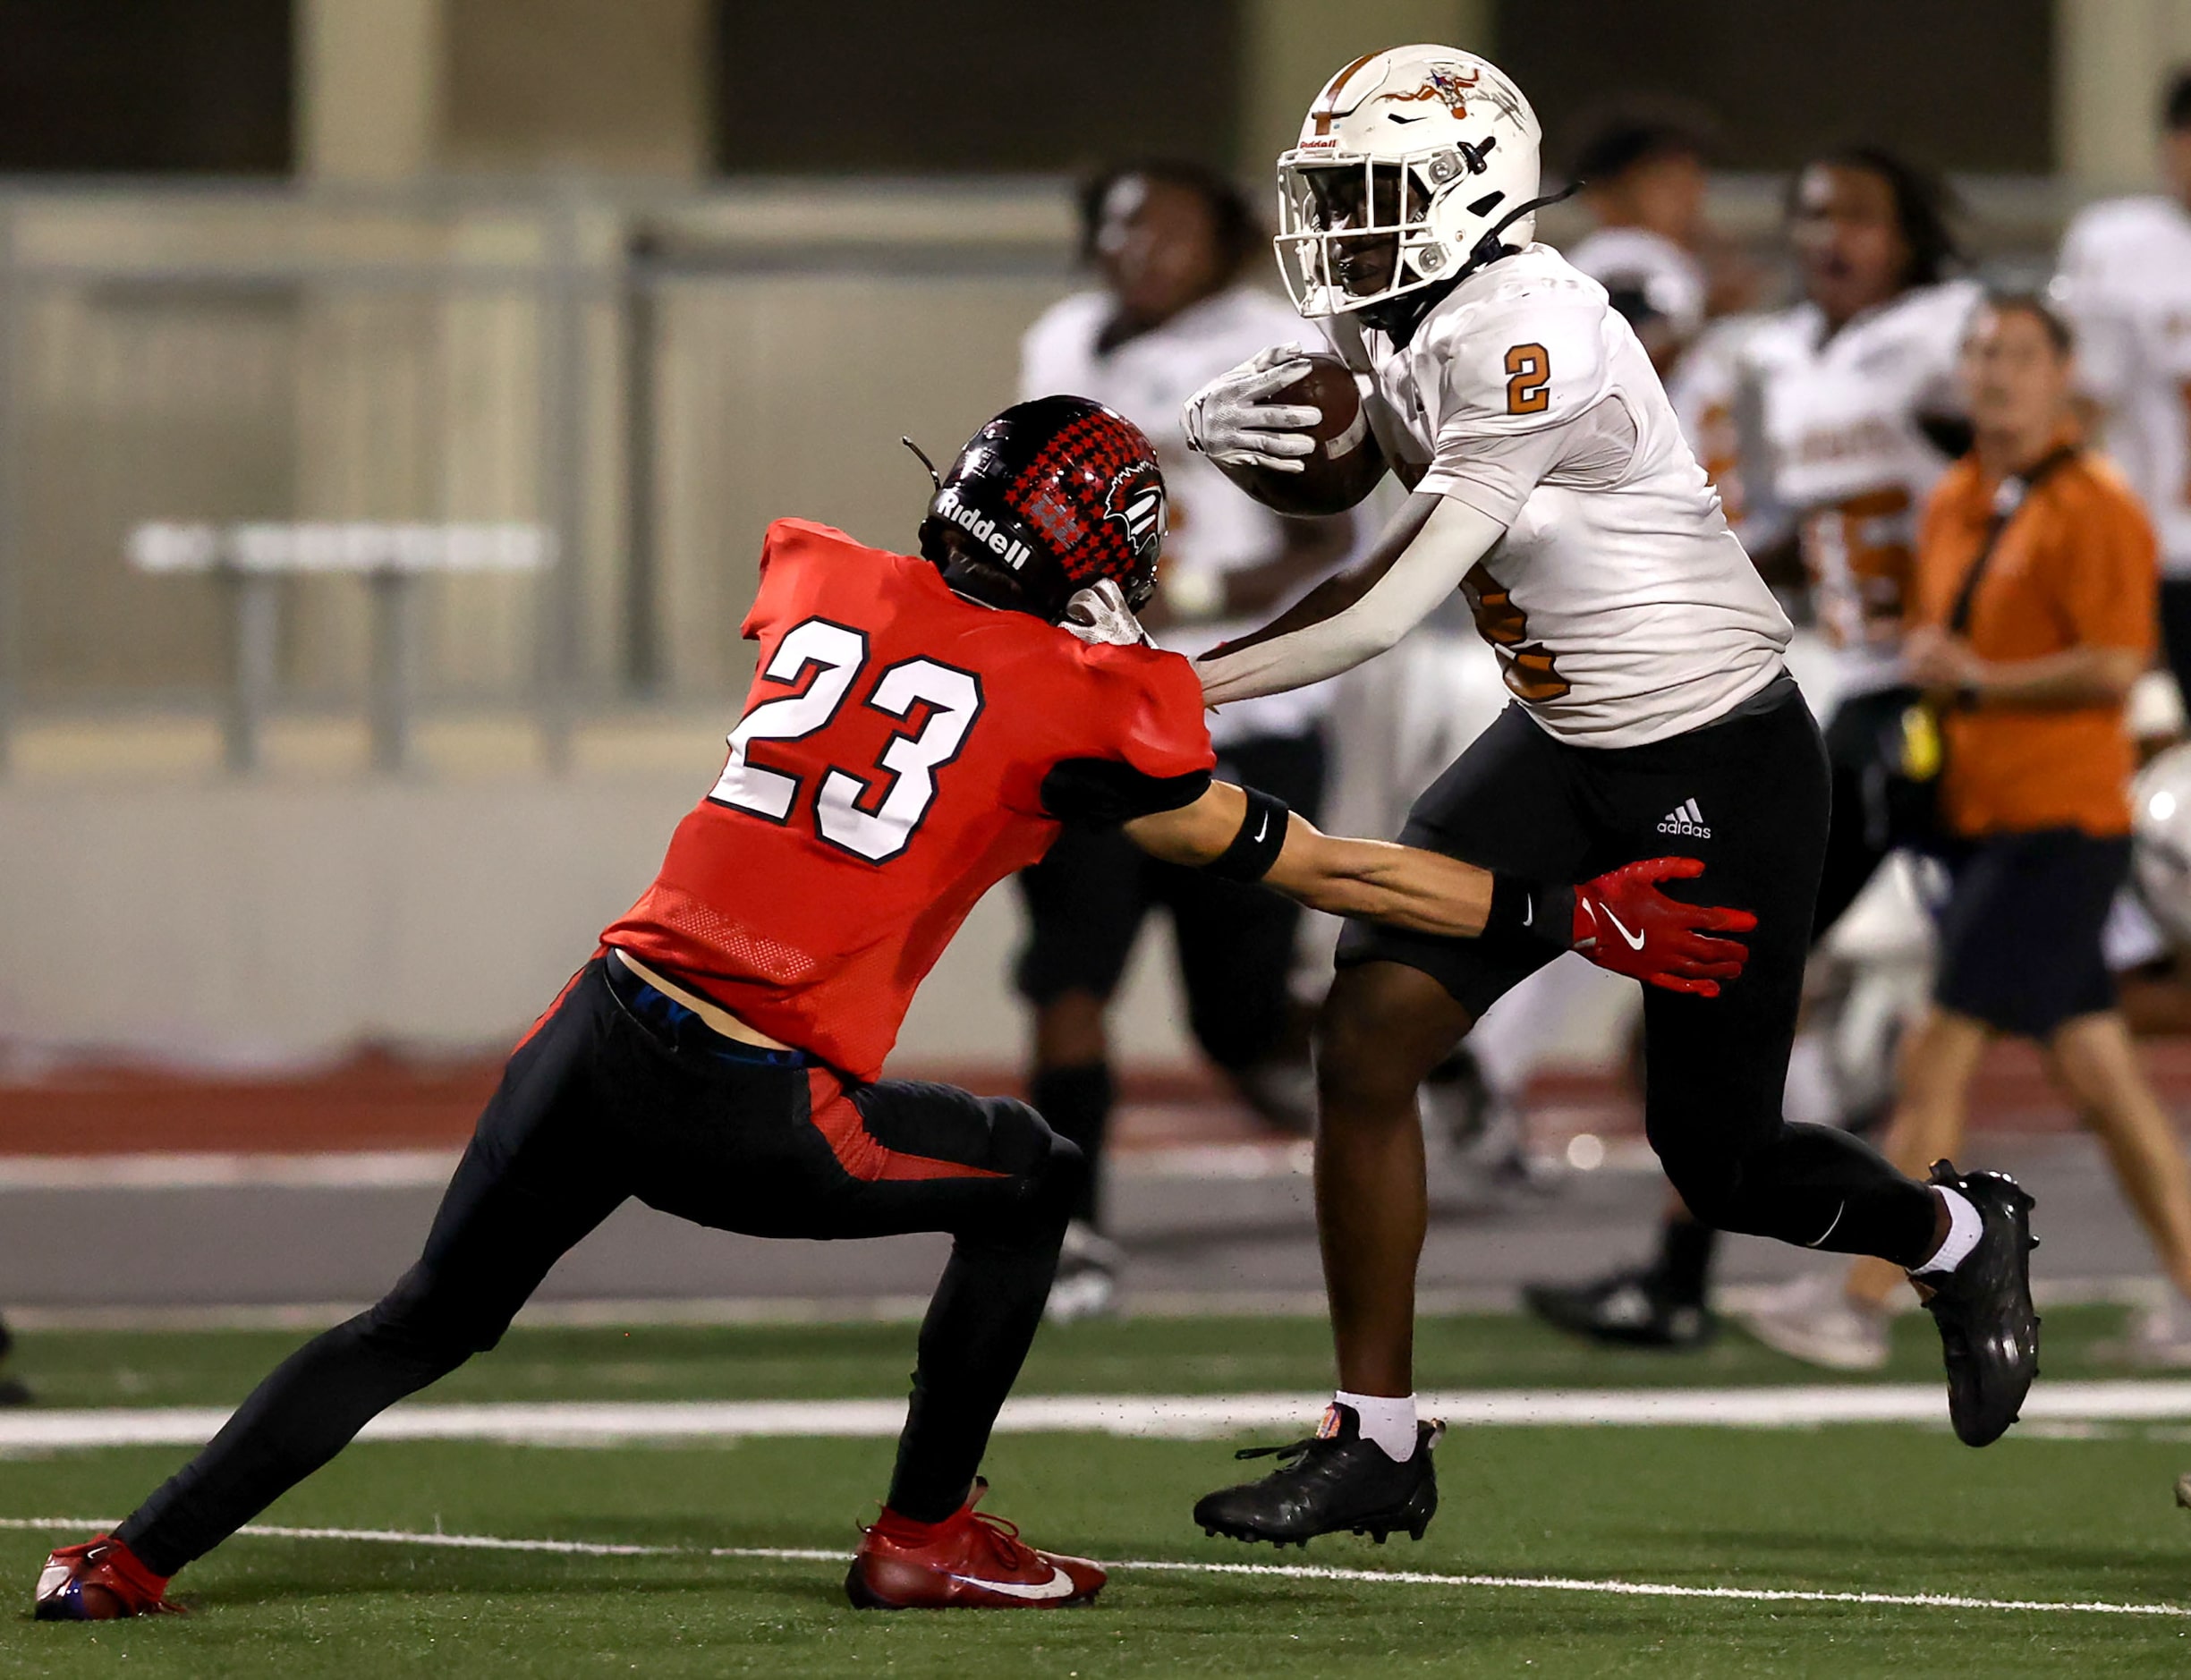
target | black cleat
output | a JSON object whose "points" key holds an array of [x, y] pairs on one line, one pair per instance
{"points": [[1988, 1327], [1628, 1309], [1329, 1484]]}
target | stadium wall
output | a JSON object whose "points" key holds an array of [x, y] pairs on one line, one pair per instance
{"points": [[280, 924]]}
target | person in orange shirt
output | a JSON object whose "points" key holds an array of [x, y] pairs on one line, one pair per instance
{"points": [[2034, 611]]}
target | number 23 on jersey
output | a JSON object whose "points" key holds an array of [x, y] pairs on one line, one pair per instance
{"points": [[939, 703]]}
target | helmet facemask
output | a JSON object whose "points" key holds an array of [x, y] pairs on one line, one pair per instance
{"points": [[1356, 229]]}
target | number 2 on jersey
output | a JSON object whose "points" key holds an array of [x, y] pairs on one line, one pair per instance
{"points": [[837, 654], [1529, 375]]}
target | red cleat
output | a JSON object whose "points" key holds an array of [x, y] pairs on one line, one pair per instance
{"points": [[100, 1581], [966, 1562]]}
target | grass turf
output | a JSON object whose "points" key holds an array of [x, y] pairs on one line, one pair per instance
{"points": [[85, 1367], [1890, 1509]]}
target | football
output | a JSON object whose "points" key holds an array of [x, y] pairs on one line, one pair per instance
{"points": [[1347, 461]]}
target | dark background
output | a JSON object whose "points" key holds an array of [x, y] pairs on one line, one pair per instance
{"points": [[984, 86], [146, 86], [996, 86], [1960, 84]]}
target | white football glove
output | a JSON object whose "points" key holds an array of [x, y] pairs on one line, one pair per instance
{"points": [[1099, 614], [1228, 421]]}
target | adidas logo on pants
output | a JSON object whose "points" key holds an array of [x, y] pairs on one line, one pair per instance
{"points": [[1684, 819]]}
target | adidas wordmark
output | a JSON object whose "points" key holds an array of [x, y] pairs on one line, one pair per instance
{"points": [[1686, 819]]}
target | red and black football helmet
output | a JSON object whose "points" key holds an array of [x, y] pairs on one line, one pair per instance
{"points": [[1059, 494]]}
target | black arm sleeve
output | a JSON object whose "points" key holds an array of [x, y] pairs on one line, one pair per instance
{"points": [[1103, 793]]}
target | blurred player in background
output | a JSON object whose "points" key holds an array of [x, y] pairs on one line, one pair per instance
{"points": [[1849, 415], [1653, 706], [14, 1390], [2125, 280], [1643, 181], [1169, 241], [2033, 615]]}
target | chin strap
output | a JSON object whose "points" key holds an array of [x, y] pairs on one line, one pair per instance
{"points": [[1491, 248], [920, 455]]}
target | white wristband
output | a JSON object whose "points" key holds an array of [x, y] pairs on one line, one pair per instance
{"points": [[1192, 593]]}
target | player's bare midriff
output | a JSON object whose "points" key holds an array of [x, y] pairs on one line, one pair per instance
{"points": [[717, 1017]]}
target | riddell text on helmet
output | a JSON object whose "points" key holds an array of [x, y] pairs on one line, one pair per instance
{"points": [[983, 530]]}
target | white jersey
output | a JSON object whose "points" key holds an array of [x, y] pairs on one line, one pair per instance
{"points": [[1214, 523], [1839, 457], [2125, 282], [1704, 387], [1667, 280], [1622, 608]]}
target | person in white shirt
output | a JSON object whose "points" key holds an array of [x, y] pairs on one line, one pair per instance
{"points": [[1850, 420], [1643, 178], [2125, 281], [1169, 241], [1653, 714]]}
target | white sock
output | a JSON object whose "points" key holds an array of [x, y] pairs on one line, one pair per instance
{"points": [[1964, 1227], [1387, 1421]]}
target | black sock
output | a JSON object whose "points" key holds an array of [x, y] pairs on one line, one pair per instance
{"points": [[1684, 1267], [1076, 1101]]}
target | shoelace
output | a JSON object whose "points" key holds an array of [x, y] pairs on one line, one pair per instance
{"points": [[1295, 1450], [1004, 1544]]}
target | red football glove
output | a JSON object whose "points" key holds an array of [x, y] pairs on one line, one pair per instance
{"points": [[1624, 922]]}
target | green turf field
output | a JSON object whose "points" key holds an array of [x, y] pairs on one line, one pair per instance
{"points": [[1898, 1510]]}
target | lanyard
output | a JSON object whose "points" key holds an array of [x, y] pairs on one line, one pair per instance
{"points": [[2009, 500]]}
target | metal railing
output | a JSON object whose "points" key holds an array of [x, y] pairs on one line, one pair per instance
{"points": [[643, 379]]}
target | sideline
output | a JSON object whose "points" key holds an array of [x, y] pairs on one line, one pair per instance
{"points": [[1283, 1572], [1179, 1417]]}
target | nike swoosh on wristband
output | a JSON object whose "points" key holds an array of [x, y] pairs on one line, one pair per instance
{"points": [[1262, 828], [1636, 940], [1059, 1586]]}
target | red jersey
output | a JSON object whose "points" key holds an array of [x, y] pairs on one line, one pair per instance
{"points": [[903, 750]]}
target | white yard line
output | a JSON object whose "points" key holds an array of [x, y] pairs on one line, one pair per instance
{"points": [[582, 1423], [1281, 1572]]}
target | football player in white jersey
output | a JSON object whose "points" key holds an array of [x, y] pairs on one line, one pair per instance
{"points": [[1850, 411], [1170, 241], [1551, 485], [2125, 280]]}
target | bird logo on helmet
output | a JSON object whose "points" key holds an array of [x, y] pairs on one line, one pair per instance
{"points": [[1062, 492], [1412, 166]]}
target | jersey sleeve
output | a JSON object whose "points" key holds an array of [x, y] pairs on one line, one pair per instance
{"points": [[2107, 337], [1143, 745], [779, 558], [1516, 377], [2110, 596]]}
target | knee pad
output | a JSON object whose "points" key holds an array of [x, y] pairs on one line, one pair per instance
{"points": [[1049, 1167]]}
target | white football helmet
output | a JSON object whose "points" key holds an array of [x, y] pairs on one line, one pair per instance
{"points": [[2160, 836], [1410, 158]]}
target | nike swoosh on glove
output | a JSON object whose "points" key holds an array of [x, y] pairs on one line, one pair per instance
{"points": [[1228, 421], [1624, 922]]}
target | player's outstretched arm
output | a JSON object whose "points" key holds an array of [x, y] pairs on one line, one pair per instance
{"points": [[1419, 559], [1253, 836], [1620, 920]]}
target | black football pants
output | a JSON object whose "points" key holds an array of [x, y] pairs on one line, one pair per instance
{"points": [[1748, 796], [617, 1092]]}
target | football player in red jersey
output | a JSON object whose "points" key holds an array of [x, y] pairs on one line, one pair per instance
{"points": [[918, 729]]}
